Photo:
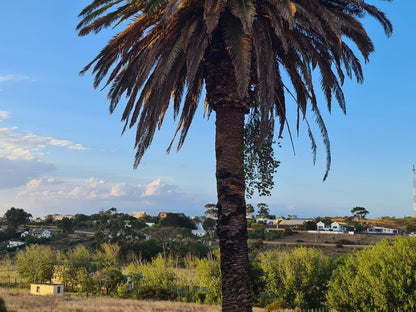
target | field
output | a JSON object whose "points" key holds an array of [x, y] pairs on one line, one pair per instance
{"points": [[332, 245], [22, 301]]}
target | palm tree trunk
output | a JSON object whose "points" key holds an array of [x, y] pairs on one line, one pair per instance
{"points": [[230, 110], [232, 224]]}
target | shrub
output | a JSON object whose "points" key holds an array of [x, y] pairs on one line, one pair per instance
{"points": [[158, 292], [2, 305], [381, 278], [298, 277]]}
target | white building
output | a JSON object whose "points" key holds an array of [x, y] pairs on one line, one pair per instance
{"points": [[12, 244], [47, 289], [382, 230], [37, 233], [199, 231], [330, 227], [266, 221]]}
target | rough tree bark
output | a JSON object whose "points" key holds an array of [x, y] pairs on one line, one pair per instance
{"points": [[232, 224]]}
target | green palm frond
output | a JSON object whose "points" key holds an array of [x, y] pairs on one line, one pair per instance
{"points": [[239, 47], [163, 55]]}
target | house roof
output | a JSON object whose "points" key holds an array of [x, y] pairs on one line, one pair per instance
{"points": [[293, 222]]}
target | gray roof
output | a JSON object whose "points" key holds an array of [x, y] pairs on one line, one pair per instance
{"points": [[293, 222]]}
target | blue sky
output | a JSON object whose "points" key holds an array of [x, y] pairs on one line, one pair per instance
{"points": [[62, 152]]}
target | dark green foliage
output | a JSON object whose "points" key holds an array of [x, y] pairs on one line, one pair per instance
{"points": [[2, 305], [67, 226], [209, 225], [145, 249], [182, 249], [359, 212], [108, 279], [3, 236], [81, 221], [15, 217], [178, 220], [263, 210], [260, 164], [35, 240], [155, 293]]}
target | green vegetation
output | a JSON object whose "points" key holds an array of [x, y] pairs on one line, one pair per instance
{"points": [[128, 259], [246, 56], [381, 278], [36, 264], [296, 279], [2, 305]]}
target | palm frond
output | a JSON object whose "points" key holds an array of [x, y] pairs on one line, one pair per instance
{"points": [[238, 45], [244, 11]]}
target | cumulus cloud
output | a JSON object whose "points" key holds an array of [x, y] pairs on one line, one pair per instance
{"points": [[95, 188], [4, 78], [45, 195], [28, 146], [4, 115]]}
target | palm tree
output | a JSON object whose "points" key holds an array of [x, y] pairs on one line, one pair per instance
{"points": [[240, 50]]}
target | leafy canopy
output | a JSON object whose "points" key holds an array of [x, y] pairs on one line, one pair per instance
{"points": [[160, 58]]}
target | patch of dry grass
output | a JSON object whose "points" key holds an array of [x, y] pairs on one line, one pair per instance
{"points": [[23, 301]]}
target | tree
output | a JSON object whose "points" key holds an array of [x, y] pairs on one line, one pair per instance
{"points": [[359, 212], [239, 49], [16, 217], [210, 225], [298, 277], [381, 278], [75, 261], [67, 226], [178, 220], [249, 210], [36, 264], [264, 210], [211, 210]]}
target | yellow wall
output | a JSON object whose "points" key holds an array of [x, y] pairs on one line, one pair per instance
{"points": [[47, 289]]}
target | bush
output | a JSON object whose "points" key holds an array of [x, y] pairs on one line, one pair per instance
{"points": [[158, 292], [381, 278], [2, 305], [344, 242], [277, 305], [298, 277]]}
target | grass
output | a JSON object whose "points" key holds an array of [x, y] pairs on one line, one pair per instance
{"points": [[23, 301]]}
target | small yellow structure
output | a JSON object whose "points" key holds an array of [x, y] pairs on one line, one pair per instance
{"points": [[47, 289]]}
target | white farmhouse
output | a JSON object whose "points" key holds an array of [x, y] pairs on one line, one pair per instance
{"points": [[330, 227]]}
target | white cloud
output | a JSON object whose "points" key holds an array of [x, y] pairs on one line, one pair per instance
{"points": [[20, 146], [4, 115], [152, 188], [95, 188], [46, 195], [4, 78]]}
